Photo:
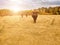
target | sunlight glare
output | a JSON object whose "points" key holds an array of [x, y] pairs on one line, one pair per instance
{"points": [[15, 9]]}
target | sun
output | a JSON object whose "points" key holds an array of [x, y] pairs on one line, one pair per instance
{"points": [[15, 9], [16, 6]]}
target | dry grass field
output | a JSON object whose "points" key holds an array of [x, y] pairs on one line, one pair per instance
{"points": [[15, 30]]}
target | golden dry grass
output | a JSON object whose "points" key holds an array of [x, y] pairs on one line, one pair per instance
{"points": [[15, 30]]}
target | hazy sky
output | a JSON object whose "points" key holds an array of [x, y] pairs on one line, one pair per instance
{"points": [[28, 4]]}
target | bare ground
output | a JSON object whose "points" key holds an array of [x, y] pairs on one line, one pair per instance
{"points": [[15, 30]]}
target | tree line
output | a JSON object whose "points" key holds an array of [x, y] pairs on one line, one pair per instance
{"points": [[42, 11], [49, 10]]}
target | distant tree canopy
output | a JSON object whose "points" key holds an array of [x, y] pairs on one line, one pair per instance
{"points": [[4, 12], [49, 11], [42, 11]]}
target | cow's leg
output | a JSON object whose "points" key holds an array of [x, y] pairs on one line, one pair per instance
{"points": [[35, 19]]}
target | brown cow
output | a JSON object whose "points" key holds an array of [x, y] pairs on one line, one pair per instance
{"points": [[34, 15]]}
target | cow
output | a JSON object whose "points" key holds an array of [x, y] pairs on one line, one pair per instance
{"points": [[34, 15]]}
